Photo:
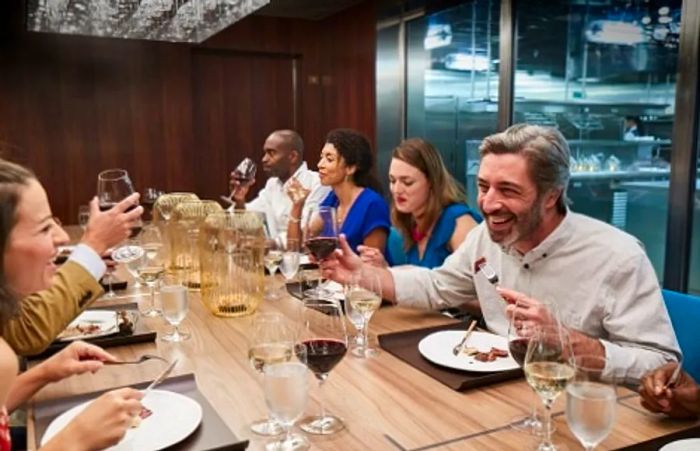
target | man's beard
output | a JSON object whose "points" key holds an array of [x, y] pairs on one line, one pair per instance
{"points": [[524, 225]]}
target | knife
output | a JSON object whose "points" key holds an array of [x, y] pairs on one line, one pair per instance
{"points": [[161, 377]]}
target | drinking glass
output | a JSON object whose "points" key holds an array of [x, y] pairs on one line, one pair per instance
{"points": [[152, 265], [548, 369], [174, 303], [107, 280], [290, 260], [590, 401], [113, 186], [363, 296], [83, 216], [245, 172], [271, 341], [286, 387], [321, 239], [325, 339], [150, 195], [272, 260]]}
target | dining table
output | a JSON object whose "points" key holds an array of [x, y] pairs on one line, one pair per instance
{"points": [[385, 403]]}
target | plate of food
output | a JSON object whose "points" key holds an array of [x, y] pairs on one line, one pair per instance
{"points": [[167, 419], [91, 324], [688, 444], [483, 351]]}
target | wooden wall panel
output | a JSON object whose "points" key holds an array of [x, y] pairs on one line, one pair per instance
{"points": [[72, 105]]}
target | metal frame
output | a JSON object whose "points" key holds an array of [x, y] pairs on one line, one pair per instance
{"points": [[684, 152], [507, 56]]}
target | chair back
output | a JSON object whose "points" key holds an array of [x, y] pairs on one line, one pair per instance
{"points": [[684, 310]]}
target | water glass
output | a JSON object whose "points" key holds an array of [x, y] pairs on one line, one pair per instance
{"points": [[272, 260], [590, 401], [290, 260], [152, 265], [286, 386], [174, 303], [83, 216]]}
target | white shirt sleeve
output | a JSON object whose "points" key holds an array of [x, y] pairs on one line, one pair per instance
{"points": [[86, 257]]}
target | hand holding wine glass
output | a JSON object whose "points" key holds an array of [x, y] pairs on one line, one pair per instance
{"points": [[242, 178], [325, 339]]}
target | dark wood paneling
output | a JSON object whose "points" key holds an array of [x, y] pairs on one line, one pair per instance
{"points": [[171, 114]]}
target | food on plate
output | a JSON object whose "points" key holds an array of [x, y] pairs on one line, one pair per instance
{"points": [[126, 324], [79, 330], [493, 354], [145, 413]]}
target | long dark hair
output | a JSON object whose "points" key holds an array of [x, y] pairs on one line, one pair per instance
{"points": [[13, 178], [355, 150]]}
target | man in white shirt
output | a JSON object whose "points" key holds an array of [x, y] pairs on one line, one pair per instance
{"points": [[283, 161], [599, 277]]}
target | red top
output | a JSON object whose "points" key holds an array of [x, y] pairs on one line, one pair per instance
{"points": [[5, 443]]}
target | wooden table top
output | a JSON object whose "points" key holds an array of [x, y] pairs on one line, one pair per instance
{"points": [[386, 404]]}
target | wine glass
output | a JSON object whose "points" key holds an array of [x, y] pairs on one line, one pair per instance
{"points": [[272, 260], [152, 265], [113, 186], [324, 337], [590, 401], [150, 195], [271, 341], [83, 216], [290, 259], [321, 239], [286, 387], [363, 296], [174, 303], [548, 369], [245, 172]]}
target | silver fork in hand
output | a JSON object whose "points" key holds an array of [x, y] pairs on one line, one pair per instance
{"points": [[141, 359]]}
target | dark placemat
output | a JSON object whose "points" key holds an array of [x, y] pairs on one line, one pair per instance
{"points": [[212, 433], [404, 345], [141, 333], [656, 443]]}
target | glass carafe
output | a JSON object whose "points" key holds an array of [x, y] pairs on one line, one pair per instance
{"points": [[184, 228], [231, 249], [163, 209]]}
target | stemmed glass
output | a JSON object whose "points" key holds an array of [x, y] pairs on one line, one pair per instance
{"points": [[150, 195], [272, 260], [290, 260], [326, 342], [152, 264], [271, 341], [590, 401], [363, 296], [548, 369], [83, 216], [113, 186], [321, 239], [174, 303], [286, 387], [243, 175]]}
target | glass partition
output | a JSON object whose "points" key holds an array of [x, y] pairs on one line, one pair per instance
{"points": [[452, 80], [604, 74], [694, 274]]}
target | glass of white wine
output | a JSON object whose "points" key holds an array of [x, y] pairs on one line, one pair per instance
{"points": [[286, 387], [363, 296], [548, 369], [152, 265], [590, 401], [272, 260], [174, 303], [271, 341]]}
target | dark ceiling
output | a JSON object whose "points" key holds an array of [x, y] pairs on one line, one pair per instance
{"points": [[305, 9]]}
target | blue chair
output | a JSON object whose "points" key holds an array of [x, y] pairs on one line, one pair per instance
{"points": [[684, 310]]}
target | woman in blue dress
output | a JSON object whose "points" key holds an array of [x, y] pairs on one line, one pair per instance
{"points": [[346, 166], [429, 213]]}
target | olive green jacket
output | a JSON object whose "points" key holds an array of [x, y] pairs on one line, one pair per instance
{"points": [[44, 315]]}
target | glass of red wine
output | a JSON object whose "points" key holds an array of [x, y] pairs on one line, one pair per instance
{"points": [[325, 340], [321, 239], [242, 176]]}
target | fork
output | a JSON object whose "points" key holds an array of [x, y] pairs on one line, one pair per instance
{"points": [[458, 347], [141, 359]]}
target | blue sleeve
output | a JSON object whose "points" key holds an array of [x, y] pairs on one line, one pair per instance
{"points": [[376, 216]]}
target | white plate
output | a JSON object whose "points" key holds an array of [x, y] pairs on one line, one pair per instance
{"points": [[688, 444], [337, 290], [106, 320], [437, 347], [304, 259], [174, 418]]}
